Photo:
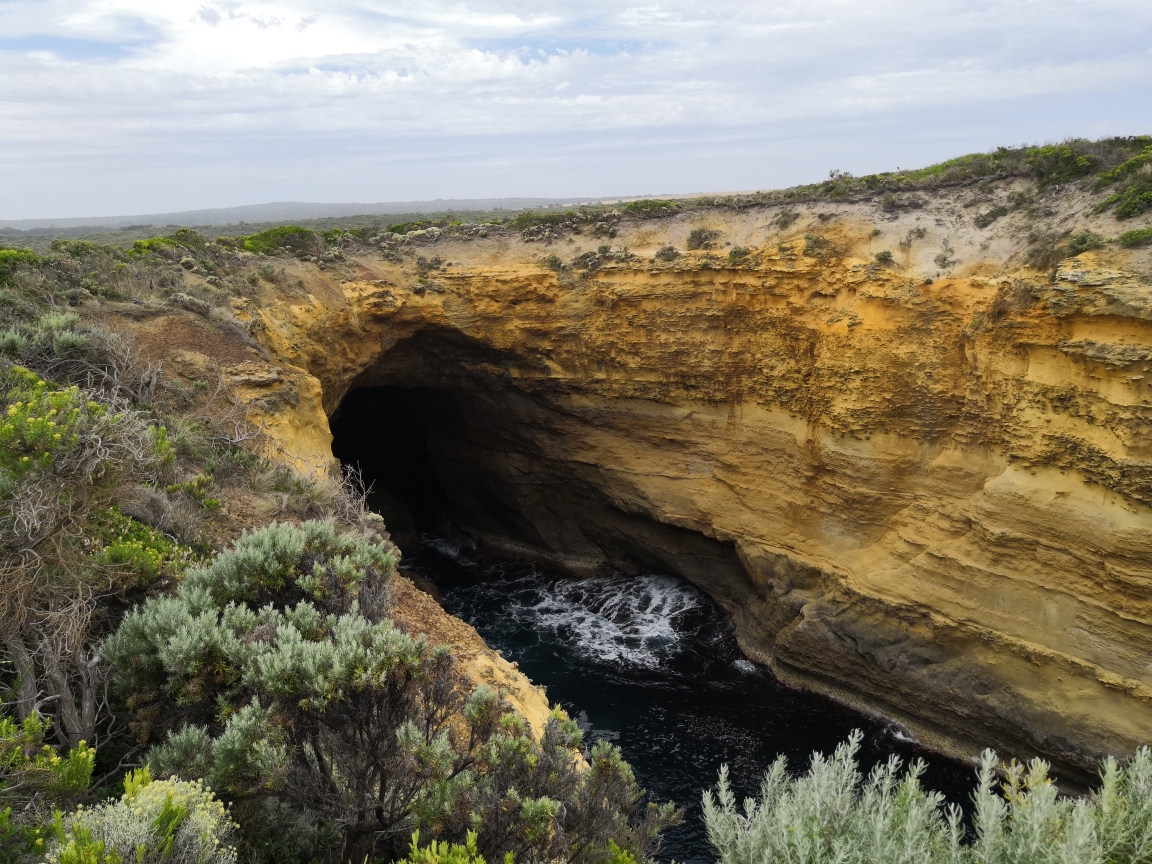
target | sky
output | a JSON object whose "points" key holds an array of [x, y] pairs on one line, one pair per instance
{"points": [[112, 107]]}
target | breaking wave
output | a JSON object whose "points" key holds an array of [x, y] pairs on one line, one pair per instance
{"points": [[620, 620]]}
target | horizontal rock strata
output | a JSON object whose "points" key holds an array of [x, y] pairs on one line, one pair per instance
{"points": [[924, 492]]}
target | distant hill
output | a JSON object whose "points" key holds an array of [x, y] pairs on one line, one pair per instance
{"points": [[286, 211]]}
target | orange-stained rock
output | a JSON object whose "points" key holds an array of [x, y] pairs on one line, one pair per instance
{"points": [[922, 488]]}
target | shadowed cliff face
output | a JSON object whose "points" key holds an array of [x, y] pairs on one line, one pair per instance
{"points": [[928, 500]]}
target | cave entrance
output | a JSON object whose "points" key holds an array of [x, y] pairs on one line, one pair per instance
{"points": [[457, 437], [506, 468], [382, 431]]}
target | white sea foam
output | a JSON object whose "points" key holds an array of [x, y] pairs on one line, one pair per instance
{"points": [[902, 735], [746, 666], [448, 548], [627, 620]]}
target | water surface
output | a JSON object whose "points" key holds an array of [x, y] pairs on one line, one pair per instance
{"points": [[651, 664]]}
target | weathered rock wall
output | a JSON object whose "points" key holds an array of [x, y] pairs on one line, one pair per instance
{"points": [[922, 488]]}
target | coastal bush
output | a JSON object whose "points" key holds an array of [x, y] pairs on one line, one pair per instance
{"points": [[274, 675], [13, 259], [64, 451], [737, 255], [1082, 242], [447, 853], [651, 208], [985, 219], [816, 246], [1059, 163], [29, 766], [832, 814], [154, 822], [701, 238], [1129, 240], [1134, 177], [1134, 199], [293, 238], [945, 259], [667, 254]]}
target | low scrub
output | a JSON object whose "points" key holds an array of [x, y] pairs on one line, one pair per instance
{"points": [[1084, 241], [13, 259], [738, 255], [1134, 239], [833, 814], [652, 208], [1133, 179], [275, 676], [701, 238], [154, 822], [291, 238]]}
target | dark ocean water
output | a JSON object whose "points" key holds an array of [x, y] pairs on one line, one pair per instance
{"points": [[649, 663]]}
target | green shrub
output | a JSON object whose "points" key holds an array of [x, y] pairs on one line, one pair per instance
{"points": [[1134, 200], [66, 343], [13, 343], [35, 779], [277, 676], [1135, 175], [152, 245], [701, 238], [166, 247], [19, 842], [40, 420], [28, 764], [883, 258], [1129, 240], [291, 237], [74, 248], [405, 227], [447, 853], [667, 254], [1136, 164], [147, 553], [1084, 241], [652, 208], [737, 255], [1059, 163], [983, 220], [12, 259], [816, 246], [63, 453], [831, 814], [154, 822]]}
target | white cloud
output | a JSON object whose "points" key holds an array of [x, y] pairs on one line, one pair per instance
{"points": [[126, 105]]}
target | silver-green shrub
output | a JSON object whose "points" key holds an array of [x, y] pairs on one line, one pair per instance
{"points": [[154, 822], [274, 675], [832, 814]]}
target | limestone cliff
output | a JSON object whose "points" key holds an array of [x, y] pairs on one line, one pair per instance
{"points": [[920, 482]]}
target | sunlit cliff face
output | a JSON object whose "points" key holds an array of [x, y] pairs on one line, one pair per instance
{"points": [[921, 488]]}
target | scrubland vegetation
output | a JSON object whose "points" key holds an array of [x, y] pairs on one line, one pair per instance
{"points": [[833, 814], [174, 690]]}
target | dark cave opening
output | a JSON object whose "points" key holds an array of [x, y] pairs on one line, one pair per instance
{"points": [[492, 463], [381, 431]]}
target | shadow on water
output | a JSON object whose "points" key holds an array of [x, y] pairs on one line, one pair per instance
{"points": [[650, 663]]}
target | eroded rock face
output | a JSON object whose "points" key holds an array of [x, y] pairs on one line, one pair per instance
{"points": [[928, 500]]}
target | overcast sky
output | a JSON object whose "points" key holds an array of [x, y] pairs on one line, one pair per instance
{"points": [[132, 106]]}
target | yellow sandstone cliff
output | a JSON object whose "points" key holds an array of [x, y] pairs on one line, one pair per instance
{"points": [[919, 484]]}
